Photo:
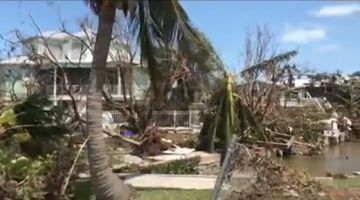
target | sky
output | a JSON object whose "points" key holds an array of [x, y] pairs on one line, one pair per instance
{"points": [[326, 33]]}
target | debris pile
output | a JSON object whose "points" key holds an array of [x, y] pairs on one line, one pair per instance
{"points": [[286, 144], [151, 143], [277, 182]]}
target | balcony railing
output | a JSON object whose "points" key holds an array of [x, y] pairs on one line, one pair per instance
{"points": [[175, 118], [111, 89]]}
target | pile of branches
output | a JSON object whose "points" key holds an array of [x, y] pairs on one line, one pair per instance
{"points": [[151, 143], [276, 181], [302, 123], [148, 143]]}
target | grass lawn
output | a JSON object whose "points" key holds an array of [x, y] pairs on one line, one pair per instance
{"points": [[83, 192], [162, 194], [347, 183]]}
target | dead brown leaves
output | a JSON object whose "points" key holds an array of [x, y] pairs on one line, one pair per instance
{"points": [[275, 181]]}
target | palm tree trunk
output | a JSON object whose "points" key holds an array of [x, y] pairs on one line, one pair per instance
{"points": [[106, 184]]}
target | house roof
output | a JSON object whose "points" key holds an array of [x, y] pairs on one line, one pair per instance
{"points": [[21, 60], [301, 82], [16, 60], [61, 35]]}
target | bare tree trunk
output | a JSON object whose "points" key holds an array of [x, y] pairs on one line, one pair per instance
{"points": [[106, 184], [123, 86]]}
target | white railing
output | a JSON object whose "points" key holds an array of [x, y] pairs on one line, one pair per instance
{"points": [[305, 98], [81, 89], [317, 102], [173, 119]]}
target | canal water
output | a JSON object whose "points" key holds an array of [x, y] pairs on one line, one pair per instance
{"points": [[344, 158]]}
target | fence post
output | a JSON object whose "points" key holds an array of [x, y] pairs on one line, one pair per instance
{"points": [[174, 118], [224, 168], [190, 118], [55, 87]]}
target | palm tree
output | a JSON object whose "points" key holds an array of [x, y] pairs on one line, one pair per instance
{"points": [[290, 72], [161, 25], [106, 184]]}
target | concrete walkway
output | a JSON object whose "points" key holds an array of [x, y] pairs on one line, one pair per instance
{"points": [[198, 182], [172, 181]]}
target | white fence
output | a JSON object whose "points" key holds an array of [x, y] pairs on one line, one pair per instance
{"points": [[190, 118]]}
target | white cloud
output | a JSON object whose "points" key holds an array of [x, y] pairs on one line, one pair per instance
{"points": [[337, 10], [327, 48], [303, 36]]}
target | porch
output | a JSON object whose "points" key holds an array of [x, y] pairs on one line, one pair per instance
{"points": [[78, 79]]}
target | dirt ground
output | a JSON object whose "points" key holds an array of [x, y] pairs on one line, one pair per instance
{"points": [[342, 194]]}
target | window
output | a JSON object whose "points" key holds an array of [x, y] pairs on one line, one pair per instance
{"points": [[77, 50], [54, 50], [29, 50]]}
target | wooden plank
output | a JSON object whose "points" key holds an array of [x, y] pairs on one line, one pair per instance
{"points": [[290, 142], [272, 144], [128, 140], [282, 135]]}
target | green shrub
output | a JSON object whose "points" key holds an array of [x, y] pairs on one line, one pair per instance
{"points": [[47, 119], [185, 166], [22, 178]]}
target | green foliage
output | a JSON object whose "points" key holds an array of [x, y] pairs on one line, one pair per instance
{"points": [[33, 126], [173, 194], [350, 96], [218, 127], [185, 166], [171, 32], [83, 191], [182, 166], [227, 115], [23, 178], [8, 117], [43, 120], [347, 183]]}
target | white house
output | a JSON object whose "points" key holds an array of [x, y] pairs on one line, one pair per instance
{"points": [[73, 53]]}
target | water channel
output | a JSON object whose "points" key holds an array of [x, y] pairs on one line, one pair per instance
{"points": [[344, 158]]}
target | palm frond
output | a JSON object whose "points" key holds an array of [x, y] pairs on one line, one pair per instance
{"points": [[94, 5], [270, 62], [127, 6], [165, 32], [227, 116], [218, 128]]}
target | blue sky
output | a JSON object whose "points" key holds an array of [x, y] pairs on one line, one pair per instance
{"points": [[326, 33]]}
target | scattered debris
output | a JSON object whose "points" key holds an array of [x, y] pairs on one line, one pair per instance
{"points": [[336, 176], [179, 151], [275, 181], [286, 145], [131, 159], [151, 143], [357, 173]]}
